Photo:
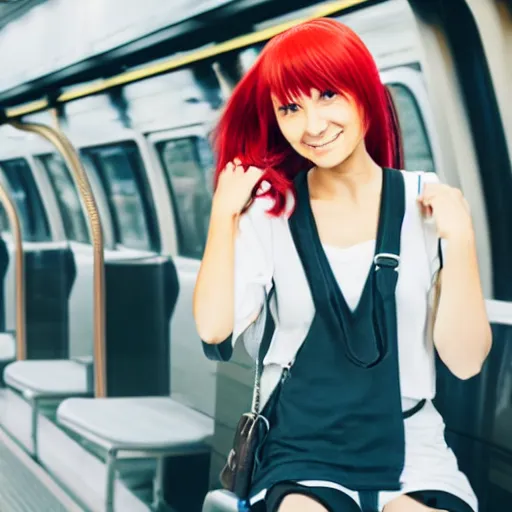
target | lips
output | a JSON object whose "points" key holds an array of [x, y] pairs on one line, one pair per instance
{"points": [[324, 144]]}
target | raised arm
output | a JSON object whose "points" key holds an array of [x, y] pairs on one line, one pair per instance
{"points": [[462, 334], [213, 301]]}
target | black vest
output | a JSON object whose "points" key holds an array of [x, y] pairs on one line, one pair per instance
{"points": [[337, 413]]}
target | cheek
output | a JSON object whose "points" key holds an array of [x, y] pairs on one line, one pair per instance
{"points": [[291, 130]]}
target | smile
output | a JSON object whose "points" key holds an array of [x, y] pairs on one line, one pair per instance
{"points": [[320, 146]]}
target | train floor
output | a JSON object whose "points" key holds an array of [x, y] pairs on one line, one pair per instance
{"points": [[25, 486], [68, 475]]}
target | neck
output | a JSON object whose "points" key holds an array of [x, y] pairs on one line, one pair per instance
{"points": [[350, 178]]}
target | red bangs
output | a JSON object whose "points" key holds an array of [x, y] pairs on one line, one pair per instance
{"points": [[310, 56]]}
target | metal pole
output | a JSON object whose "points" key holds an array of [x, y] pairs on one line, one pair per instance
{"points": [[14, 221], [70, 155]]}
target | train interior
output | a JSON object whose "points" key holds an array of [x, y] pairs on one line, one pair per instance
{"points": [[107, 401]]}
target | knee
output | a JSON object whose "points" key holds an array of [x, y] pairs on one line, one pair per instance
{"points": [[295, 502], [406, 504]]}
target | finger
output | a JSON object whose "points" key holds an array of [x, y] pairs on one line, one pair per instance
{"points": [[424, 200], [239, 169], [255, 171], [229, 167], [433, 189], [425, 209]]}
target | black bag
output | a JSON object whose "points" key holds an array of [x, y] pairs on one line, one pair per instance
{"points": [[236, 476]]}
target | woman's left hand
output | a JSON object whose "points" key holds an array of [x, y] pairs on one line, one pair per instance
{"points": [[449, 209]]}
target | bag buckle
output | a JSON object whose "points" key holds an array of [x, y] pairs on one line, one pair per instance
{"points": [[387, 260]]}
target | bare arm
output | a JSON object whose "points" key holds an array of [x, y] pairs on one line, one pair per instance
{"points": [[462, 334], [213, 301]]}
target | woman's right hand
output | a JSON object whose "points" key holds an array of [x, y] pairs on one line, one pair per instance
{"points": [[234, 187]]}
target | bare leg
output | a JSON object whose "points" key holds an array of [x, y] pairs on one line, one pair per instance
{"points": [[296, 502], [407, 504]]}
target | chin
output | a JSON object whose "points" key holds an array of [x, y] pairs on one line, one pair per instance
{"points": [[329, 161]]}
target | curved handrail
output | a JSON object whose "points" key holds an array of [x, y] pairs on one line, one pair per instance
{"points": [[14, 221], [70, 155]]}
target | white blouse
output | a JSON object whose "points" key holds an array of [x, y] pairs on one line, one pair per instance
{"points": [[265, 250]]}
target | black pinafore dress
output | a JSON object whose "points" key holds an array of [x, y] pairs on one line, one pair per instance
{"points": [[337, 413]]}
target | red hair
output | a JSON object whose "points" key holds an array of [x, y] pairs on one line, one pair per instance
{"points": [[322, 54]]}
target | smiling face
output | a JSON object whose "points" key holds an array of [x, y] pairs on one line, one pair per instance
{"points": [[325, 127]]}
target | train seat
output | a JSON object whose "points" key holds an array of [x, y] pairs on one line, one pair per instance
{"points": [[146, 427], [47, 379], [52, 380], [220, 500], [133, 368], [7, 347]]}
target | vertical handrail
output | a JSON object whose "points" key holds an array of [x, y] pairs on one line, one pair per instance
{"points": [[14, 222], [68, 152]]}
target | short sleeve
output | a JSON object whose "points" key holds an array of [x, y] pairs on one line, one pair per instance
{"points": [[253, 281], [435, 246]]}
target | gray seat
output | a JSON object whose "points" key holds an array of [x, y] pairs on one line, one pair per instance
{"points": [[220, 501], [7, 347], [147, 427], [47, 379], [51, 380]]}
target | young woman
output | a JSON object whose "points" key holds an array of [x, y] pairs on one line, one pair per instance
{"points": [[308, 215]]}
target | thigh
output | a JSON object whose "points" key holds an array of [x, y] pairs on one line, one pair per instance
{"points": [[291, 497], [405, 503], [423, 501], [293, 502], [441, 500]]}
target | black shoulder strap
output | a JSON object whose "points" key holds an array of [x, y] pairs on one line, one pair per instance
{"points": [[387, 262], [390, 221]]}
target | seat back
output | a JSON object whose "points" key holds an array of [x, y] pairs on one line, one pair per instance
{"points": [[49, 276], [141, 294], [478, 416]]}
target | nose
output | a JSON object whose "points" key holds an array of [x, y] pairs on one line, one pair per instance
{"points": [[316, 124]]}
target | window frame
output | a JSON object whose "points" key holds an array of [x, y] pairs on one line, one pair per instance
{"points": [[40, 161], [42, 228], [413, 81], [87, 154], [196, 130]]}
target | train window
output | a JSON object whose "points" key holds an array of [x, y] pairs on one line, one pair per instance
{"points": [[122, 174], [33, 219], [70, 207], [417, 150], [189, 167]]}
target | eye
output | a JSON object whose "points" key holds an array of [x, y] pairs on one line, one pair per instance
{"points": [[291, 107], [328, 94]]}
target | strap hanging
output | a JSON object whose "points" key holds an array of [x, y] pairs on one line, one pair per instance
{"points": [[268, 333]]}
